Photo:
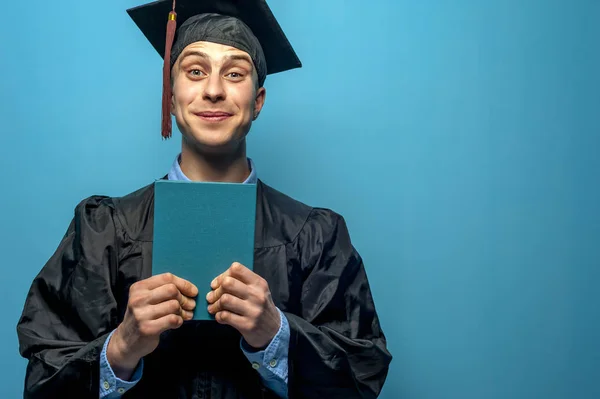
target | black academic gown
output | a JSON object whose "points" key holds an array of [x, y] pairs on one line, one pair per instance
{"points": [[337, 348]]}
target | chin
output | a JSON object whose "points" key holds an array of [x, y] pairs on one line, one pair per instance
{"points": [[212, 138], [213, 144]]}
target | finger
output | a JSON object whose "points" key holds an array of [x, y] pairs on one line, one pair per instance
{"points": [[155, 312], [187, 315], [188, 303], [157, 280], [170, 291], [242, 273], [217, 280], [215, 283], [230, 303], [168, 322], [213, 296], [229, 285], [234, 320], [188, 289]]}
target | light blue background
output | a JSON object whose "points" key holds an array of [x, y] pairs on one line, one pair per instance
{"points": [[459, 139]]}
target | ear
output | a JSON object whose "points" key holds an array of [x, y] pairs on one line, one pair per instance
{"points": [[172, 103], [259, 101], [173, 89]]}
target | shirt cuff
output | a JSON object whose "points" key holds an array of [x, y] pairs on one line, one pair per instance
{"points": [[273, 361], [112, 385]]}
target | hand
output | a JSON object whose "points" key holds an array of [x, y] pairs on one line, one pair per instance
{"points": [[155, 305], [242, 299]]}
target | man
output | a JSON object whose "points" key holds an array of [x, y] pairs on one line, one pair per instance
{"points": [[301, 324]]}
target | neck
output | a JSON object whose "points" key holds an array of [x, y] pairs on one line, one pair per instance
{"points": [[200, 166]]}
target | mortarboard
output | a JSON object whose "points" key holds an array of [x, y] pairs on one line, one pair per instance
{"points": [[248, 25]]}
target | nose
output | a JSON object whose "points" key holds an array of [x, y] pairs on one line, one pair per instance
{"points": [[214, 90]]}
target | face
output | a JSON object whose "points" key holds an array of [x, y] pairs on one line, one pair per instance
{"points": [[215, 96]]}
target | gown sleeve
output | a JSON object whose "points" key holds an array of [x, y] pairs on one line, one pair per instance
{"points": [[337, 347], [70, 309]]}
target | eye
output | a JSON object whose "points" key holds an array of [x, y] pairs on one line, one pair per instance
{"points": [[195, 72], [235, 75]]}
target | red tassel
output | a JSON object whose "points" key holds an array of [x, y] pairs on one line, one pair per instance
{"points": [[166, 98]]}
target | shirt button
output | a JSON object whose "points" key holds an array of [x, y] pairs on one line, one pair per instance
{"points": [[255, 366], [273, 363], [121, 390], [106, 385]]}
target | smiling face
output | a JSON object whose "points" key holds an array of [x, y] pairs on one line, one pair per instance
{"points": [[215, 96]]}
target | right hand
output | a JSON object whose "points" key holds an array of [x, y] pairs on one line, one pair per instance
{"points": [[156, 304]]}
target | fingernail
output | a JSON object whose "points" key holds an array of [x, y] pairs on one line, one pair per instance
{"points": [[208, 296]]}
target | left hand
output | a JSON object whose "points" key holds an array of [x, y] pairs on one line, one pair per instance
{"points": [[242, 299]]}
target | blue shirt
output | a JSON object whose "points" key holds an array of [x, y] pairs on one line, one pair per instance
{"points": [[271, 363]]}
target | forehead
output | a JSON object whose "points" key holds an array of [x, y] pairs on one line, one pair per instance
{"points": [[214, 51]]}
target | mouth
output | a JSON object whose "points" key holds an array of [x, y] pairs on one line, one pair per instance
{"points": [[213, 116]]}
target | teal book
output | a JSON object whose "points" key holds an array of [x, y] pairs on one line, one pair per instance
{"points": [[200, 229]]}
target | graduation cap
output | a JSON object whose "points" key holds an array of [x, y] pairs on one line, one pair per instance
{"points": [[248, 25]]}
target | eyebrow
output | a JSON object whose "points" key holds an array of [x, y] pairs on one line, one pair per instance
{"points": [[232, 57], [239, 57]]}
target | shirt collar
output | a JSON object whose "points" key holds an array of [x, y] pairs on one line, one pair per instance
{"points": [[177, 174]]}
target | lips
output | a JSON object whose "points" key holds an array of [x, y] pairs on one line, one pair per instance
{"points": [[213, 116]]}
